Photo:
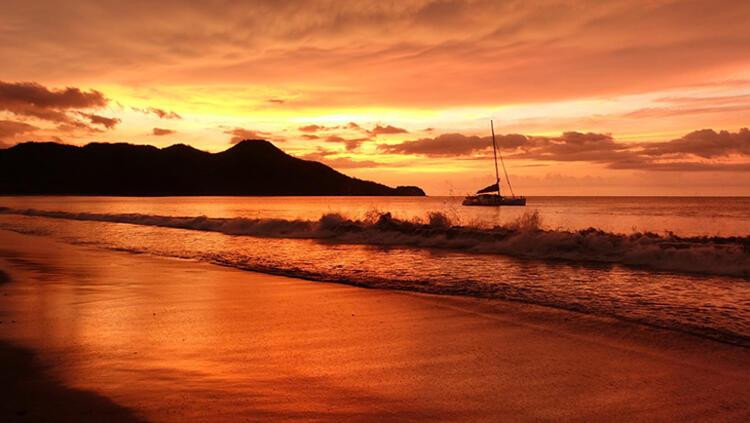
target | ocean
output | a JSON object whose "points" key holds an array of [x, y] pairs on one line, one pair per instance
{"points": [[673, 262]]}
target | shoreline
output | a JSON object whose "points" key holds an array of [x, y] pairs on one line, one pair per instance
{"points": [[173, 339]]}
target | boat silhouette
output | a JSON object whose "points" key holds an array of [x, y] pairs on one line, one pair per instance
{"points": [[490, 195]]}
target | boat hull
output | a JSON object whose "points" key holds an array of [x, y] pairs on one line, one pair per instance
{"points": [[493, 200]]}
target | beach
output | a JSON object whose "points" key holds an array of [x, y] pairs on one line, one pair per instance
{"points": [[134, 336]]}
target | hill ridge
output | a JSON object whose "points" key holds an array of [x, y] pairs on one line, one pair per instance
{"points": [[250, 167]]}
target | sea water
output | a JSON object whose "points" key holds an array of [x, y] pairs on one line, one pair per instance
{"points": [[679, 263]]}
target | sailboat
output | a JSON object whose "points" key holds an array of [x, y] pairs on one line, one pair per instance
{"points": [[490, 196]]}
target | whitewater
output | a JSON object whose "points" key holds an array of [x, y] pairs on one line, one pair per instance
{"points": [[523, 238], [685, 279]]}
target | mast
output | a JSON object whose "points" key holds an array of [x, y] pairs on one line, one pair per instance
{"points": [[494, 153], [505, 171]]}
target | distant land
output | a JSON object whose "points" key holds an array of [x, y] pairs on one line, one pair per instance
{"points": [[251, 167]]}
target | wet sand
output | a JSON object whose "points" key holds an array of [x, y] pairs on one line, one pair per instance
{"points": [[117, 336]]}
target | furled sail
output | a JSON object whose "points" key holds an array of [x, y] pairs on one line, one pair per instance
{"points": [[492, 188]]}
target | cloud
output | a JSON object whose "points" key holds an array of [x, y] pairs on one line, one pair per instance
{"points": [[570, 146], [675, 155], [678, 155], [348, 163], [387, 130], [338, 133], [705, 143], [318, 128], [645, 163], [385, 53], [161, 113], [276, 101], [697, 105], [10, 129], [161, 131], [709, 100], [241, 134], [106, 122], [445, 145], [681, 166], [34, 100], [349, 143], [662, 112], [323, 155], [311, 128], [76, 125], [352, 126]]}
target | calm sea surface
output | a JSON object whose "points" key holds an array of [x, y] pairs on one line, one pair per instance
{"points": [[697, 286]]}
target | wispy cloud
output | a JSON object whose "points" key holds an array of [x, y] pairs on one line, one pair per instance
{"points": [[9, 130], [387, 130], [106, 122], [160, 113], [241, 134], [338, 162], [162, 131], [30, 99], [349, 143]]}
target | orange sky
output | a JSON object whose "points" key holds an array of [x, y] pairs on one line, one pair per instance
{"points": [[600, 97]]}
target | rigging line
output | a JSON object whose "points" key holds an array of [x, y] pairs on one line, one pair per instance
{"points": [[494, 153]]}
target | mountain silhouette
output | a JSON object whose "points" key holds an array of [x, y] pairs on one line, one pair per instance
{"points": [[251, 167]]}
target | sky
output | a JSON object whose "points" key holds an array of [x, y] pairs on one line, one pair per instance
{"points": [[587, 97]]}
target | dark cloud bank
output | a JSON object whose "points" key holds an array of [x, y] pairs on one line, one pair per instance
{"points": [[63, 106], [703, 150], [68, 109]]}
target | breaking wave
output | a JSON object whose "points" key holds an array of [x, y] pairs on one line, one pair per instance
{"points": [[524, 238]]}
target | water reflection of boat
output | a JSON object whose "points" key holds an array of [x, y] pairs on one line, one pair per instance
{"points": [[491, 196]]}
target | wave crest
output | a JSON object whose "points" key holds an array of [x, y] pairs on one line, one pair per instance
{"points": [[523, 238]]}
